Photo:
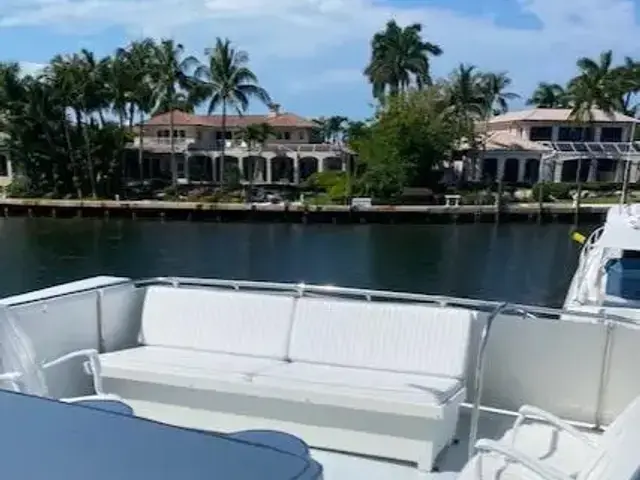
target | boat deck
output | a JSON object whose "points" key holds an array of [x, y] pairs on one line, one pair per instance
{"points": [[492, 425]]}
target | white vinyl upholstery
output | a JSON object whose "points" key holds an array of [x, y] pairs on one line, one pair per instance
{"points": [[559, 448], [402, 388], [217, 321], [613, 456], [168, 361], [378, 335], [330, 363]]}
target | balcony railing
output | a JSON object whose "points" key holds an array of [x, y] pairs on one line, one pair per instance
{"points": [[191, 144]]}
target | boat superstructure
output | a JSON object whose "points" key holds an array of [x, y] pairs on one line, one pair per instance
{"points": [[381, 385], [608, 272]]}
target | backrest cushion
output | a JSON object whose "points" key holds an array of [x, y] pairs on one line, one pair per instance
{"points": [[224, 321], [618, 460], [381, 335], [630, 415], [618, 455]]}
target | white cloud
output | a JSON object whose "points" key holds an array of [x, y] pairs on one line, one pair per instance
{"points": [[307, 45], [31, 68]]}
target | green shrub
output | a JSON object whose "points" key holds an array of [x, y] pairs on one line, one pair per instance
{"points": [[550, 190], [20, 187], [330, 184]]}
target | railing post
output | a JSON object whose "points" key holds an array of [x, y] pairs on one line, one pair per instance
{"points": [[479, 373], [604, 369], [100, 319]]}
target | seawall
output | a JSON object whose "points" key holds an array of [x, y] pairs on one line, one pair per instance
{"points": [[291, 213]]}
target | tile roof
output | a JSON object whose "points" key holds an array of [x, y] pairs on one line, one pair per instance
{"points": [[507, 141], [500, 140], [233, 121], [557, 115]]}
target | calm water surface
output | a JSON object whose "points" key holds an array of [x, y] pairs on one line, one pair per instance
{"points": [[519, 263]]}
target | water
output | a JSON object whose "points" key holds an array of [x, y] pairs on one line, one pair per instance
{"points": [[519, 263]]}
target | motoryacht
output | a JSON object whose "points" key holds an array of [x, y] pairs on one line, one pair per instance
{"points": [[608, 272], [249, 380]]}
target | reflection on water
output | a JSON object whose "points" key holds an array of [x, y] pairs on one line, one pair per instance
{"points": [[519, 263]]}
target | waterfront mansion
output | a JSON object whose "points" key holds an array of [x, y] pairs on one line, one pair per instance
{"points": [[547, 144], [518, 147], [289, 156]]}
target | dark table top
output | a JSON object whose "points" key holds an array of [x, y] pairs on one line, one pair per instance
{"points": [[46, 439]]}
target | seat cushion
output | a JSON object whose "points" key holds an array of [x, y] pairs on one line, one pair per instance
{"points": [[135, 363], [489, 466], [555, 448], [227, 321], [408, 338], [352, 382]]}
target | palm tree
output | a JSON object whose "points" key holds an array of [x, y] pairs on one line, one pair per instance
{"points": [[399, 58], [626, 79], [332, 128], [599, 79], [227, 82], [170, 80], [468, 103], [497, 99], [256, 135], [591, 89], [549, 95], [138, 70]]}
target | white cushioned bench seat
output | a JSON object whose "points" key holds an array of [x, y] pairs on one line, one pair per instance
{"points": [[173, 365], [375, 378], [375, 390]]}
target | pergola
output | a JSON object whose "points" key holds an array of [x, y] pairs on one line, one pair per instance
{"points": [[597, 149], [619, 152]]}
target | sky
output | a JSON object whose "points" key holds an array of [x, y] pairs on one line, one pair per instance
{"points": [[310, 54]]}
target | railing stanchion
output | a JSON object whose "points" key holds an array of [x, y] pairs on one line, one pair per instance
{"points": [[478, 379], [480, 362], [604, 369]]}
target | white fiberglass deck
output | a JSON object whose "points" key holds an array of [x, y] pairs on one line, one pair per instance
{"points": [[493, 425], [380, 375]]}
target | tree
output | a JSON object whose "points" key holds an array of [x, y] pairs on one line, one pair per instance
{"points": [[494, 86], [170, 80], [55, 155], [331, 129], [227, 82], [256, 135], [134, 68], [626, 80], [594, 87], [549, 95], [410, 140], [469, 104], [399, 59]]}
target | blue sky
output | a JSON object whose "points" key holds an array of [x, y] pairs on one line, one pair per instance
{"points": [[310, 54]]}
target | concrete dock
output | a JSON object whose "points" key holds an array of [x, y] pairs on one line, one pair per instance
{"points": [[296, 213]]}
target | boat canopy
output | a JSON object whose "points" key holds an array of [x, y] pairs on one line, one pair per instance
{"points": [[622, 228]]}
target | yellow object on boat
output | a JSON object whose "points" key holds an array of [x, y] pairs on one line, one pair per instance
{"points": [[578, 237]]}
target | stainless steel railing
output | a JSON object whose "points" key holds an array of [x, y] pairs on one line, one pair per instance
{"points": [[480, 363], [493, 308]]}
